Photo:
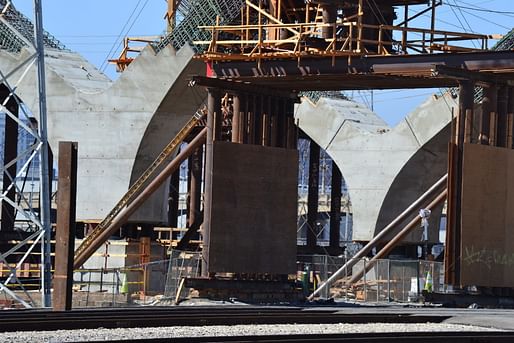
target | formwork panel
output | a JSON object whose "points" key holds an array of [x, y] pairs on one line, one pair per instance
{"points": [[487, 252], [253, 222]]}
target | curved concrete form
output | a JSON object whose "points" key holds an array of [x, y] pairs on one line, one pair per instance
{"points": [[385, 168], [120, 126]]}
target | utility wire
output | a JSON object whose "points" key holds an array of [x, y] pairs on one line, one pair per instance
{"points": [[488, 21], [479, 9], [467, 23], [114, 47]]}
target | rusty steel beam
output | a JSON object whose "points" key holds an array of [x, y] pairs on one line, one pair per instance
{"points": [[236, 119], [399, 71], [235, 86], [335, 207], [510, 115], [477, 76], [10, 153], [213, 111], [291, 130], [313, 196], [502, 117], [455, 169], [195, 185], [257, 129], [488, 106], [173, 202], [125, 213], [65, 231]]}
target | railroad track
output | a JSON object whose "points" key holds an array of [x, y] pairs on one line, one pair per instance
{"points": [[403, 337], [36, 320]]}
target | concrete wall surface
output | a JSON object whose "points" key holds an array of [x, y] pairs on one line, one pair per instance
{"points": [[385, 168], [120, 126]]}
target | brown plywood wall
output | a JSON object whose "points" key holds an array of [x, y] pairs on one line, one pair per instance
{"points": [[253, 221], [487, 251]]}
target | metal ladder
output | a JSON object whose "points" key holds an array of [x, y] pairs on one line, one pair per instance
{"points": [[137, 186]]}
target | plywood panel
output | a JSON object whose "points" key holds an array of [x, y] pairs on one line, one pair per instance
{"points": [[253, 222], [487, 252]]}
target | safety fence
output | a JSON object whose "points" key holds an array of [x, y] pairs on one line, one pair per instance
{"points": [[387, 280]]}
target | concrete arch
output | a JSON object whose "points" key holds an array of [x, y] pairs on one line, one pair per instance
{"points": [[369, 153], [109, 119]]}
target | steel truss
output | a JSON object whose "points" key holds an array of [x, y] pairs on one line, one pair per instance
{"points": [[18, 33]]}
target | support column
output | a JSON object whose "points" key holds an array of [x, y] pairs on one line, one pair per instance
{"points": [[489, 104], [502, 125], [266, 122], [291, 140], [173, 203], [274, 113], [329, 17], [251, 119], [313, 196], [236, 119], [258, 110], [453, 230], [195, 189], [10, 153], [510, 116], [213, 111], [65, 231], [335, 207]]}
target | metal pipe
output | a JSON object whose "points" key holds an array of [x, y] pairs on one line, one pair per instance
{"points": [[125, 214], [385, 231], [397, 238]]}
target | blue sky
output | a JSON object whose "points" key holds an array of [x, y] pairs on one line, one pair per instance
{"points": [[95, 28]]}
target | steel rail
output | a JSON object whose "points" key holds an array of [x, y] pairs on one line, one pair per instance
{"points": [[143, 317], [382, 337]]}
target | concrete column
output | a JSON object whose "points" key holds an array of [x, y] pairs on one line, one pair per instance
{"points": [[65, 231], [10, 153], [335, 207], [313, 196]]}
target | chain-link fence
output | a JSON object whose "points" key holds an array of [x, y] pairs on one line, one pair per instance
{"points": [[183, 264], [386, 280]]}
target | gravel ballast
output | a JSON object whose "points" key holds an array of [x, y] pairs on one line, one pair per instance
{"points": [[87, 335]]}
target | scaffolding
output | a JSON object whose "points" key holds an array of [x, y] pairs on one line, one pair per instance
{"points": [[192, 14], [16, 33]]}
